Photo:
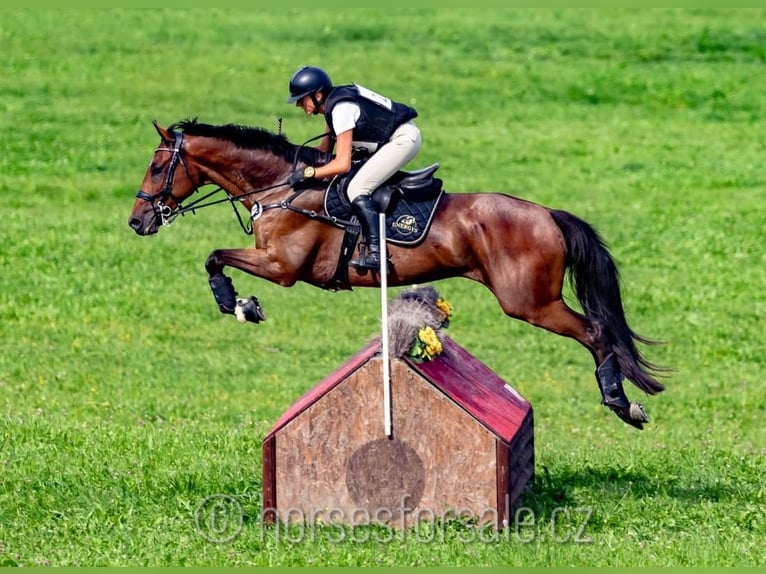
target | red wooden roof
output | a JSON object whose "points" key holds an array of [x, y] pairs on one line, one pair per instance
{"points": [[472, 385], [475, 388]]}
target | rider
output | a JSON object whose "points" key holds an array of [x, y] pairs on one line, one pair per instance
{"points": [[357, 118]]}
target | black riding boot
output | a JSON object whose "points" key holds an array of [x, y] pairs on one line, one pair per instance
{"points": [[368, 218]]}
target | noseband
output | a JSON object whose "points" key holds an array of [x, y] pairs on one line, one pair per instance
{"points": [[164, 213]]}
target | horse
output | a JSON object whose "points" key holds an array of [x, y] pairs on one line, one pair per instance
{"points": [[521, 251]]}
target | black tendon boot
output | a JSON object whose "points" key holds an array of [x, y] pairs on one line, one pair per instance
{"points": [[368, 218], [610, 380]]}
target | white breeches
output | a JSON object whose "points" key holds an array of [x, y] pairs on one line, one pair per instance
{"points": [[401, 147]]}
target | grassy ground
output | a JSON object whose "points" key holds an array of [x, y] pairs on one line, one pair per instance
{"points": [[127, 399]]}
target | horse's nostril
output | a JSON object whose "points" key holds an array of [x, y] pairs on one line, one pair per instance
{"points": [[135, 223]]}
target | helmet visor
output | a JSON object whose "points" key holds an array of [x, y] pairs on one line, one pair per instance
{"points": [[295, 98]]}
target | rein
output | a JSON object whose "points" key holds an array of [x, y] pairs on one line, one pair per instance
{"points": [[257, 210], [166, 214]]}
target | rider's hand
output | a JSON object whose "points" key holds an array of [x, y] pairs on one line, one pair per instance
{"points": [[300, 175]]}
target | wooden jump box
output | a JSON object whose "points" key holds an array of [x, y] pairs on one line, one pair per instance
{"points": [[461, 445]]}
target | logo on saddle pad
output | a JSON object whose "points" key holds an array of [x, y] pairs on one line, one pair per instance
{"points": [[406, 225]]}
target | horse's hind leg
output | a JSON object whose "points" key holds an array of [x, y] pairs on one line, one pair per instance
{"points": [[609, 380], [559, 318]]}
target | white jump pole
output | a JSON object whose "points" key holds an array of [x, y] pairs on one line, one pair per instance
{"points": [[384, 325]]}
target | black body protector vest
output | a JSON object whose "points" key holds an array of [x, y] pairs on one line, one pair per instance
{"points": [[379, 116]]}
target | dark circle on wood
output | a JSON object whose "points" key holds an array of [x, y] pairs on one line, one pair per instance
{"points": [[385, 477]]}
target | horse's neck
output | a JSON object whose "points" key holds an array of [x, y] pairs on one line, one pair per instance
{"points": [[255, 174], [245, 172]]}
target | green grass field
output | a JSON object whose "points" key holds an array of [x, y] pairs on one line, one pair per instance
{"points": [[127, 399]]}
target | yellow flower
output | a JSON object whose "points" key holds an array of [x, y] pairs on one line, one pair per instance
{"points": [[432, 346], [427, 344], [444, 306]]}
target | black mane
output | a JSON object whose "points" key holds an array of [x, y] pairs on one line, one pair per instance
{"points": [[253, 138]]}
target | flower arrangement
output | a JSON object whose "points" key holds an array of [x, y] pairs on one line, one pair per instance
{"points": [[416, 320], [426, 345]]}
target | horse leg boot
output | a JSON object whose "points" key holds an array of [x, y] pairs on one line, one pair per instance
{"points": [[368, 218], [613, 396], [228, 303], [223, 292]]}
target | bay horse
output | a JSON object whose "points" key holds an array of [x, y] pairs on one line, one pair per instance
{"points": [[521, 251]]}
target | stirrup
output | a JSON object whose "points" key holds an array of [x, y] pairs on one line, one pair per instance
{"points": [[364, 262]]}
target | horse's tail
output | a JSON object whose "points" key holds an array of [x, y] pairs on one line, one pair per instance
{"points": [[596, 280]]}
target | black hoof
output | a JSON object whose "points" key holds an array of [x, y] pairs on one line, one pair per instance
{"points": [[249, 310], [634, 414]]}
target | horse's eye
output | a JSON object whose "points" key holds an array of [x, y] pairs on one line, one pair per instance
{"points": [[156, 169]]}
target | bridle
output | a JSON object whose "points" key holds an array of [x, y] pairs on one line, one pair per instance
{"points": [[166, 214]]}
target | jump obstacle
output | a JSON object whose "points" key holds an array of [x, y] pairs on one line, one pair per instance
{"points": [[456, 442]]}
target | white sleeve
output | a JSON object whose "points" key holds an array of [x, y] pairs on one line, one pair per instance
{"points": [[344, 116]]}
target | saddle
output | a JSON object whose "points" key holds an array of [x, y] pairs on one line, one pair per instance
{"points": [[408, 198]]}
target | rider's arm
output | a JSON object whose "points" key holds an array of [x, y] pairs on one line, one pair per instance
{"points": [[326, 143], [341, 163]]}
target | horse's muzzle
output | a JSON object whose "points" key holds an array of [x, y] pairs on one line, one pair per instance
{"points": [[144, 225]]}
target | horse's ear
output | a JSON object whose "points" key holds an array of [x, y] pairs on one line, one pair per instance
{"points": [[162, 131]]}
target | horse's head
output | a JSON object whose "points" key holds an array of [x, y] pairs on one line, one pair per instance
{"points": [[164, 186], [241, 161]]}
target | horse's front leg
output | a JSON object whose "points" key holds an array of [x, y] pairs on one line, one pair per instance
{"points": [[254, 261]]}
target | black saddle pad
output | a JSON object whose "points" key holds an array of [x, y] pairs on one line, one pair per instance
{"points": [[408, 217]]}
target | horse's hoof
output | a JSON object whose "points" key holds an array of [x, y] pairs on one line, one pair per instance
{"points": [[637, 424], [637, 413], [249, 310], [633, 414]]}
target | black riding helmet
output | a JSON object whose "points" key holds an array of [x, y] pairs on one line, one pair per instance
{"points": [[308, 80]]}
